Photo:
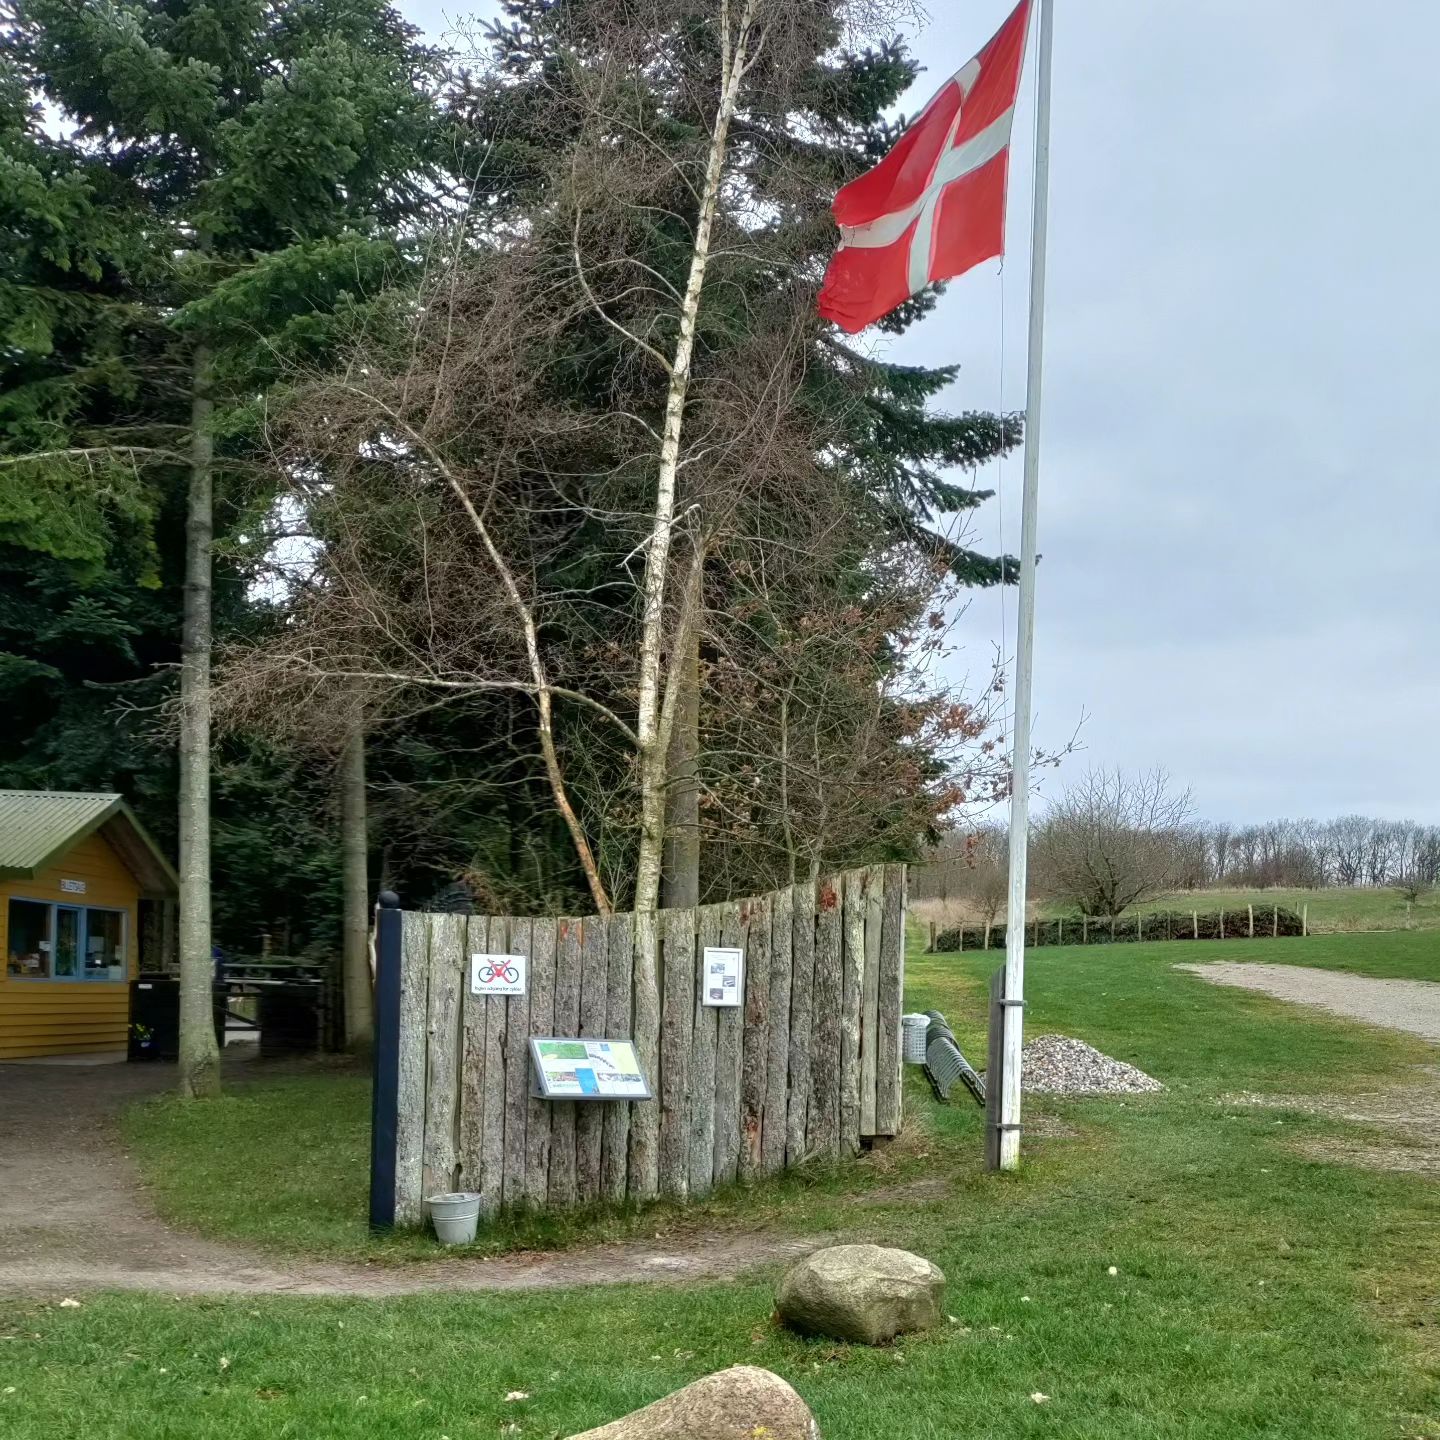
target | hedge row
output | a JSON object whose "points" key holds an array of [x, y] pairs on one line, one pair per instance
{"points": [[1268, 920]]}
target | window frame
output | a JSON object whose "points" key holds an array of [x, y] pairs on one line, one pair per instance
{"points": [[82, 942]]}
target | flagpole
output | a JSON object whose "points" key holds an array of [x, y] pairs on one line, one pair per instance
{"points": [[1012, 1034]]}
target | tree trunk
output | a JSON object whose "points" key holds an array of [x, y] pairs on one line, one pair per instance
{"points": [[680, 871], [355, 903], [199, 1054], [651, 732]]}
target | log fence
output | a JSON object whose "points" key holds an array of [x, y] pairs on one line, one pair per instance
{"points": [[807, 1065]]}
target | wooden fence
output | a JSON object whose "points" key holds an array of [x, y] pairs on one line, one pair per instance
{"points": [[809, 1065]]}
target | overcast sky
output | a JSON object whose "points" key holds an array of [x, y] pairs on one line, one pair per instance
{"points": [[1239, 508]]}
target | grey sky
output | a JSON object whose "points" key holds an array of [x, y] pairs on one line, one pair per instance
{"points": [[1239, 506]]}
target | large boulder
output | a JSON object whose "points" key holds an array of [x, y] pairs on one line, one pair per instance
{"points": [[866, 1294], [734, 1404]]}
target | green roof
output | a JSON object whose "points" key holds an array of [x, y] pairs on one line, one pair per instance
{"points": [[37, 828]]}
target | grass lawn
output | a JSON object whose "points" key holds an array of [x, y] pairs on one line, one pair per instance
{"points": [[1257, 1293]]}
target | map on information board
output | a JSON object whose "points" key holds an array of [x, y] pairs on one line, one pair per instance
{"points": [[570, 1069]]}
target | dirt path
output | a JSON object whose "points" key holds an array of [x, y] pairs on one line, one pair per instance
{"points": [[73, 1218], [1404, 1117], [1409, 1005]]}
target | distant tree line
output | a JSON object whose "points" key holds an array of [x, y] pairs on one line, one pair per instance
{"points": [[1112, 841], [1349, 850]]}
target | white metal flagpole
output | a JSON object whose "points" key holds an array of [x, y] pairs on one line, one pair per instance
{"points": [[1012, 1035]]}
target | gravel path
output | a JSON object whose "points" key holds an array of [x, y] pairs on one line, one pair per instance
{"points": [[1409, 1005], [74, 1218]]}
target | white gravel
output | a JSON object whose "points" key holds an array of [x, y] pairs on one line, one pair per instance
{"points": [[1061, 1065], [1409, 1005]]}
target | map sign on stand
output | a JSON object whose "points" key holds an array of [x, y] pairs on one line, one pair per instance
{"points": [[722, 976], [497, 974], [567, 1069]]}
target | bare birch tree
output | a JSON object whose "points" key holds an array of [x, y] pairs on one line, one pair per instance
{"points": [[489, 537]]}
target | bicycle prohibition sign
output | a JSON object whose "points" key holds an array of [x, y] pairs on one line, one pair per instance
{"points": [[497, 974]]}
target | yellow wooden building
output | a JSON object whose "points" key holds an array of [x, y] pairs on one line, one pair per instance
{"points": [[74, 868]]}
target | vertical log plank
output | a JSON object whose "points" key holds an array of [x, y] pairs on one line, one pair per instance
{"points": [[677, 1019], [473, 1010], [870, 1001], [802, 935], [615, 1137], [542, 1022], [852, 991], [517, 1069], [442, 1057], [755, 1055], [892, 987], [410, 1108], [567, 1022], [702, 1062], [824, 1129], [492, 1147], [777, 1065], [590, 1115], [730, 1027]]}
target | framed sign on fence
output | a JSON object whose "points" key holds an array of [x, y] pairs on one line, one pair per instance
{"points": [[573, 1069], [497, 974], [722, 976]]}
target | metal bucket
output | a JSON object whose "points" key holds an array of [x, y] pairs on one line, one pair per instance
{"points": [[912, 1032], [456, 1216]]}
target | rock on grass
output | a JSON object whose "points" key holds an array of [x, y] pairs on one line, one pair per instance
{"points": [[735, 1404], [866, 1294]]}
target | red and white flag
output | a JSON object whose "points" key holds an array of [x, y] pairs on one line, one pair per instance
{"points": [[935, 205]]}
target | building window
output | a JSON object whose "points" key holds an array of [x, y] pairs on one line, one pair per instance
{"points": [[65, 942], [104, 945], [28, 945]]}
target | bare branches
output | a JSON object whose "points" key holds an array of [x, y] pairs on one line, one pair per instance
{"points": [[1111, 840]]}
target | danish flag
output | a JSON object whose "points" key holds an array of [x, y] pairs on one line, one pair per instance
{"points": [[934, 207]]}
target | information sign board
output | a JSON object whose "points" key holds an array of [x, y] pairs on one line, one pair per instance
{"points": [[722, 976], [571, 1069]]}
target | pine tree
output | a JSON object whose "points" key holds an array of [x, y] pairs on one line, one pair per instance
{"points": [[254, 170]]}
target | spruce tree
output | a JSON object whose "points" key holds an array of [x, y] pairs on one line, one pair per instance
{"points": [[255, 169]]}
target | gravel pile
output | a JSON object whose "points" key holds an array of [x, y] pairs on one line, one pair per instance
{"points": [[1059, 1065]]}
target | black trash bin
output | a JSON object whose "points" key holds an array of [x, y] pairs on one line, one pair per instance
{"points": [[155, 1018]]}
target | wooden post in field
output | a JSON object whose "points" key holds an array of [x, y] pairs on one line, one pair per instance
{"points": [[1084, 929], [1195, 922], [1060, 932], [1274, 922], [1304, 920], [1222, 921], [1112, 927], [987, 935], [1140, 927], [932, 937], [1251, 909]]}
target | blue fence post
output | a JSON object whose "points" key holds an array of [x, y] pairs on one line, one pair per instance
{"points": [[385, 1083]]}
